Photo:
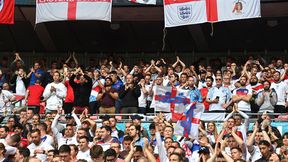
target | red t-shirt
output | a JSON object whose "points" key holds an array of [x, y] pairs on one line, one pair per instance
{"points": [[69, 93], [35, 93], [204, 92]]}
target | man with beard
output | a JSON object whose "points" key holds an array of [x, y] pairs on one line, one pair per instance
{"points": [[267, 98], [242, 95], [107, 98], [281, 89], [256, 88], [204, 91]]}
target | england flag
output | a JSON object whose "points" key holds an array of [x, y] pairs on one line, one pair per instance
{"points": [[61, 10], [184, 12], [170, 99], [188, 124], [187, 12]]}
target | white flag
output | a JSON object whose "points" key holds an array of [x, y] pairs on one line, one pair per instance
{"points": [[61, 10], [225, 10], [184, 12], [187, 12]]}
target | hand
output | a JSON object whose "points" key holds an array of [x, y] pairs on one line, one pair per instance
{"points": [[120, 65], [234, 130], [53, 89], [73, 111], [157, 62], [152, 62], [146, 143], [156, 120], [203, 143], [32, 70], [224, 106], [127, 87], [263, 94], [223, 144], [132, 148], [256, 126], [177, 57], [38, 151], [111, 63], [215, 101], [224, 125]]}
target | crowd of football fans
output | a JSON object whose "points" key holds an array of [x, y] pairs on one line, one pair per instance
{"points": [[47, 113]]}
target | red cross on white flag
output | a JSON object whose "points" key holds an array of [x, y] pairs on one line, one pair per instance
{"points": [[61, 10]]}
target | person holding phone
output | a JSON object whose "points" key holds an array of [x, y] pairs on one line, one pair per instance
{"points": [[219, 97]]}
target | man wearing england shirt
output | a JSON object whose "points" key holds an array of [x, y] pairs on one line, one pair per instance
{"points": [[219, 97], [242, 95], [281, 89]]}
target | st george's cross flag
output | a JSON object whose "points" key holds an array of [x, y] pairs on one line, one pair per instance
{"points": [[148, 2], [61, 10], [7, 11], [188, 124], [187, 12], [170, 99]]}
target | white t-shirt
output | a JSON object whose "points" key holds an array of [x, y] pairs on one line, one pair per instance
{"points": [[48, 139], [5, 96], [20, 86], [54, 99], [43, 146], [143, 98], [243, 91], [84, 155], [281, 89]]}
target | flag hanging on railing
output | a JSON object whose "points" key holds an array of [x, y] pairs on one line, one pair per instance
{"points": [[7, 11], [187, 12], [188, 124], [168, 99], [148, 2], [61, 10]]}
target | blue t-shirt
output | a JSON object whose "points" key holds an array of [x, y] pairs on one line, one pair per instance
{"points": [[33, 77]]}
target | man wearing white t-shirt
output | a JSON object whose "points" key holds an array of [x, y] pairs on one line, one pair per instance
{"points": [[37, 147], [54, 93], [281, 89], [46, 138], [84, 150], [242, 95]]}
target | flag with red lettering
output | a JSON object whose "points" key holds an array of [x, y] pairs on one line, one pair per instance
{"points": [[149, 2], [170, 99], [187, 12], [188, 124], [62, 10], [7, 11]]}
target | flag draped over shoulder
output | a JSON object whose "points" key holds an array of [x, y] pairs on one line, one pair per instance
{"points": [[187, 12], [188, 123], [7, 11], [61, 10]]}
